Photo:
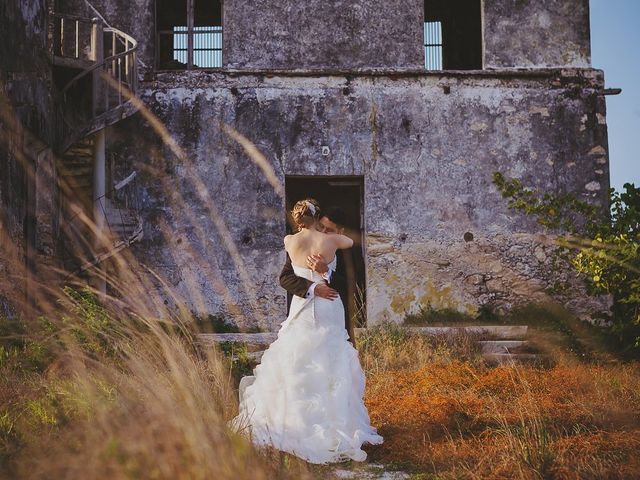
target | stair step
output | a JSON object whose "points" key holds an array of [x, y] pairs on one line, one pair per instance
{"points": [[257, 356], [263, 338], [76, 163], [503, 332], [493, 357], [121, 226], [78, 172], [78, 152], [510, 358], [501, 346]]}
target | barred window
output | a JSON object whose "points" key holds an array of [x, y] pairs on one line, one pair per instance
{"points": [[189, 34], [433, 45], [452, 34]]}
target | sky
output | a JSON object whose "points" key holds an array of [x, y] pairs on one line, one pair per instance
{"points": [[615, 48]]}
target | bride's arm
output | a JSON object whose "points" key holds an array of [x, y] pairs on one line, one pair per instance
{"points": [[342, 241]]}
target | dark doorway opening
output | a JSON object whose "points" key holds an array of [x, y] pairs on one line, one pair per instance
{"points": [[347, 193]]}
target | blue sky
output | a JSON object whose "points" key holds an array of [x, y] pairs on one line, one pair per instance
{"points": [[615, 48]]}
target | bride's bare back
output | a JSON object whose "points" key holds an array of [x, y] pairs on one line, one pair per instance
{"points": [[310, 241]]}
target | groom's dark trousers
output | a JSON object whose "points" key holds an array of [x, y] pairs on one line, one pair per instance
{"points": [[299, 286]]}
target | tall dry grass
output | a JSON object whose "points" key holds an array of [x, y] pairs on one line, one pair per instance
{"points": [[99, 394], [100, 373], [446, 414]]}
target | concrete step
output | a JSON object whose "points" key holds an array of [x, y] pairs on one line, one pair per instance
{"points": [[501, 346], [80, 172], [256, 356], [500, 358], [75, 155], [502, 332], [263, 338], [510, 358], [116, 223]]}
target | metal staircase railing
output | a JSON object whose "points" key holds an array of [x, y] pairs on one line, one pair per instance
{"points": [[106, 56], [98, 78], [121, 209]]}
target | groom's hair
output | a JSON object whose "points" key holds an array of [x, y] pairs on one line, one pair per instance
{"points": [[336, 215]]}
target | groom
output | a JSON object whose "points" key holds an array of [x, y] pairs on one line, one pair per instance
{"points": [[332, 221]]}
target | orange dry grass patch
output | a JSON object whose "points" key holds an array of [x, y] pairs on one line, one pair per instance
{"points": [[460, 420]]}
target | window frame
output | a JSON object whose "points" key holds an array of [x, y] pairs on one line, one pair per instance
{"points": [[445, 43], [190, 39]]}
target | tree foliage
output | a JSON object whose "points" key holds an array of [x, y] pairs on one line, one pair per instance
{"points": [[603, 245]]}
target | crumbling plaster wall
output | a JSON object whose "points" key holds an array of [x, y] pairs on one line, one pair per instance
{"points": [[312, 34], [320, 34], [427, 158], [536, 33], [29, 121]]}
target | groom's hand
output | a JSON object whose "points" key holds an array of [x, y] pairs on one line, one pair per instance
{"points": [[316, 262], [325, 291]]}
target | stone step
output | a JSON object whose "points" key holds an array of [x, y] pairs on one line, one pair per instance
{"points": [[127, 218], [510, 358], [78, 172], [492, 356], [502, 332], [76, 161], [501, 346], [256, 356], [262, 338], [78, 155]]}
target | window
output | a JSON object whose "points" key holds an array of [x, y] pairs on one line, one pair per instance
{"points": [[189, 34], [433, 45], [452, 34]]}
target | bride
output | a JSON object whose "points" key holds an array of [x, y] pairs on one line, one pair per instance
{"points": [[306, 396]]}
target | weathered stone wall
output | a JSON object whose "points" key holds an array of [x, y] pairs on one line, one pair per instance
{"points": [[536, 33], [427, 154], [28, 127], [299, 34], [320, 34]]}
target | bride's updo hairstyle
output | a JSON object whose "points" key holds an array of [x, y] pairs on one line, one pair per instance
{"points": [[305, 213]]}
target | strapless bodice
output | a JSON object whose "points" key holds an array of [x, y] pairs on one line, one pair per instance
{"points": [[309, 274]]}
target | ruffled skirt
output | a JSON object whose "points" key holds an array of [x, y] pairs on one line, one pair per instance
{"points": [[306, 395]]}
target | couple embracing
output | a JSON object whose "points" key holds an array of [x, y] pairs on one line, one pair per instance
{"points": [[306, 395]]}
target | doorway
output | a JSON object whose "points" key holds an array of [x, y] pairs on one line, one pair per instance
{"points": [[347, 193]]}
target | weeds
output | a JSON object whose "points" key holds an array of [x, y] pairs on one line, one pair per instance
{"points": [[446, 418]]}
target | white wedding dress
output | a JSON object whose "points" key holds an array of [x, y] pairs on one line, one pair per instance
{"points": [[306, 396]]}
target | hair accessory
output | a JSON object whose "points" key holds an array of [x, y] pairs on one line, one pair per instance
{"points": [[311, 207]]}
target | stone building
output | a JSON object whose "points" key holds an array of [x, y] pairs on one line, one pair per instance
{"points": [[399, 111]]}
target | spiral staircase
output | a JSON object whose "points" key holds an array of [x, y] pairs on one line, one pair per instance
{"points": [[95, 71]]}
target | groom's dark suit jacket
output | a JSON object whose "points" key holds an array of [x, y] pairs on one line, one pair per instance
{"points": [[299, 286]]}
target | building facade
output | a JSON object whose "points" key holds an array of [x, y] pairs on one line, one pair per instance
{"points": [[398, 111]]}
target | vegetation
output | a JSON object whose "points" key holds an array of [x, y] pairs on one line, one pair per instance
{"points": [[446, 415], [603, 246], [555, 331], [99, 392]]}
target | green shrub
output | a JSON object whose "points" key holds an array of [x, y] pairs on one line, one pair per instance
{"points": [[429, 315], [602, 245]]}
